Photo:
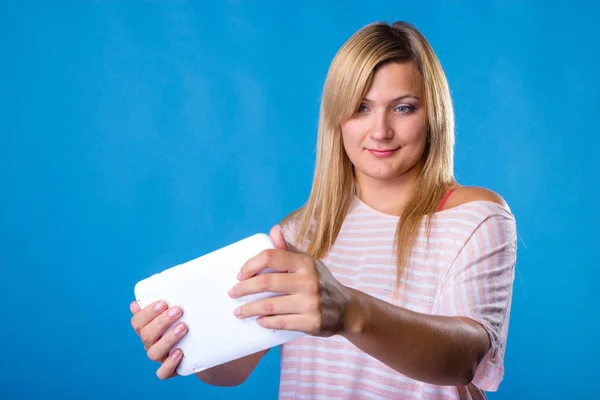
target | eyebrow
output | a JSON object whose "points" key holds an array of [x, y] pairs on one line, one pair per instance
{"points": [[404, 96]]}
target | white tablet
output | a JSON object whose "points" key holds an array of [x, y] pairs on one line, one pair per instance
{"points": [[215, 336]]}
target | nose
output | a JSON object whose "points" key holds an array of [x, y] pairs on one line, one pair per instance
{"points": [[381, 128]]}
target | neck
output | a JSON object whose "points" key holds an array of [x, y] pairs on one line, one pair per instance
{"points": [[387, 196]]}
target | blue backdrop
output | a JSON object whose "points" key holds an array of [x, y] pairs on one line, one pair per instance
{"points": [[135, 136]]}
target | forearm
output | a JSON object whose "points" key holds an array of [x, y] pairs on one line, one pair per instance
{"points": [[232, 373], [435, 349]]}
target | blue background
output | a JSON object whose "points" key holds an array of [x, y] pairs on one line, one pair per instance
{"points": [[135, 136]]}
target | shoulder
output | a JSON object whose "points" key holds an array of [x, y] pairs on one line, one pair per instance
{"points": [[468, 194], [488, 219]]}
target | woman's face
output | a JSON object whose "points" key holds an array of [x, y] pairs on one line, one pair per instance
{"points": [[387, 136]]}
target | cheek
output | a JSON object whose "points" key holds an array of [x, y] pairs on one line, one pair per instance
{"points": [[412, 132], [351, 139], [416, 139]]}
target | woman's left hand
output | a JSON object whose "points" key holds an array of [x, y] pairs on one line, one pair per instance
{"points": [[312, 300]]}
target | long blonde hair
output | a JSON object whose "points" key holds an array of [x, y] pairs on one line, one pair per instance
{"points": [[319, 220]]}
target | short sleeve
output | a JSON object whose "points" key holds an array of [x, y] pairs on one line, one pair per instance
{"points": [[479, 286]]}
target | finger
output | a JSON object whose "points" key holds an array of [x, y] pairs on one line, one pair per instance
{"points": [[143, 318], [272, 282], [275, 283], [292, 322], [280, 305], [280, 242], [278, 238], [151, 333], [134, 307], [168, 369], [159, 350], [278, 260]]}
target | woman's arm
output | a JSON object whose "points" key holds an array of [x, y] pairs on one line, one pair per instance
{"points": [[232, 373], [435, 349]]}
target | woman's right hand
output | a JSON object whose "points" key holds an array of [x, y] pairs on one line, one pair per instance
{"points": [[150, 324]]}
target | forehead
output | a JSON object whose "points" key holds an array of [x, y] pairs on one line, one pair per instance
{"points": [[394, 79]]}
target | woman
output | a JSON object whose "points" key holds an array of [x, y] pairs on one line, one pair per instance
{"points": [[401, 278]]}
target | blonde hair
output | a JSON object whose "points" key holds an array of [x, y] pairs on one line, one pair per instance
{"points": [[319, 220]]}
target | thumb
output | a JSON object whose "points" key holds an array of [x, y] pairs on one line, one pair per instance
{"points": [[278, 238], [134, 307]]}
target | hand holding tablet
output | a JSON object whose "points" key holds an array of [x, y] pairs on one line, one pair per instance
{"points": [[199, 288]]}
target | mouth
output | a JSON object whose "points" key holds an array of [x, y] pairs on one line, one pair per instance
{"points": [[383, 153]]}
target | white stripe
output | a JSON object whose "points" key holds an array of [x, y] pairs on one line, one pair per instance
{"points": [[487, 264], [349, 249], [451, 308], [404, 392], [426, 273], [315, 396], [286, 394], [462, 286], [372, 260], [475, 273], [387, 234], [448, 392], [345, 389], [343, 376], [466, 219], [390, 278], [466, 214], [388, 289], [500, 240], [413, 272], [358, 356]]}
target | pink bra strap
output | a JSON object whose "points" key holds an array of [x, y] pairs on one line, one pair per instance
{"points": [[446, 197]]}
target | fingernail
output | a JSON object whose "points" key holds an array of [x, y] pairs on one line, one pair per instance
{"points": [[173, 312], [176, 354], [159, 306], [231, 292], [179, 329], [237, 312], [239, 276]]}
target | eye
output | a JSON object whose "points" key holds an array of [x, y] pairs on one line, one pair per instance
{"points": [[405, 109], [361, 109]]}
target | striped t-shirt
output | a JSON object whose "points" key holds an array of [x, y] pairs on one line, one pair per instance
{"points": [[467, 270]]}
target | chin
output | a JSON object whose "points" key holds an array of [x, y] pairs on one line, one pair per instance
{"points": [[382, 175], [384, 171]]}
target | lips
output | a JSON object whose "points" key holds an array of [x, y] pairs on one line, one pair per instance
{"points": [[382, 153]]}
